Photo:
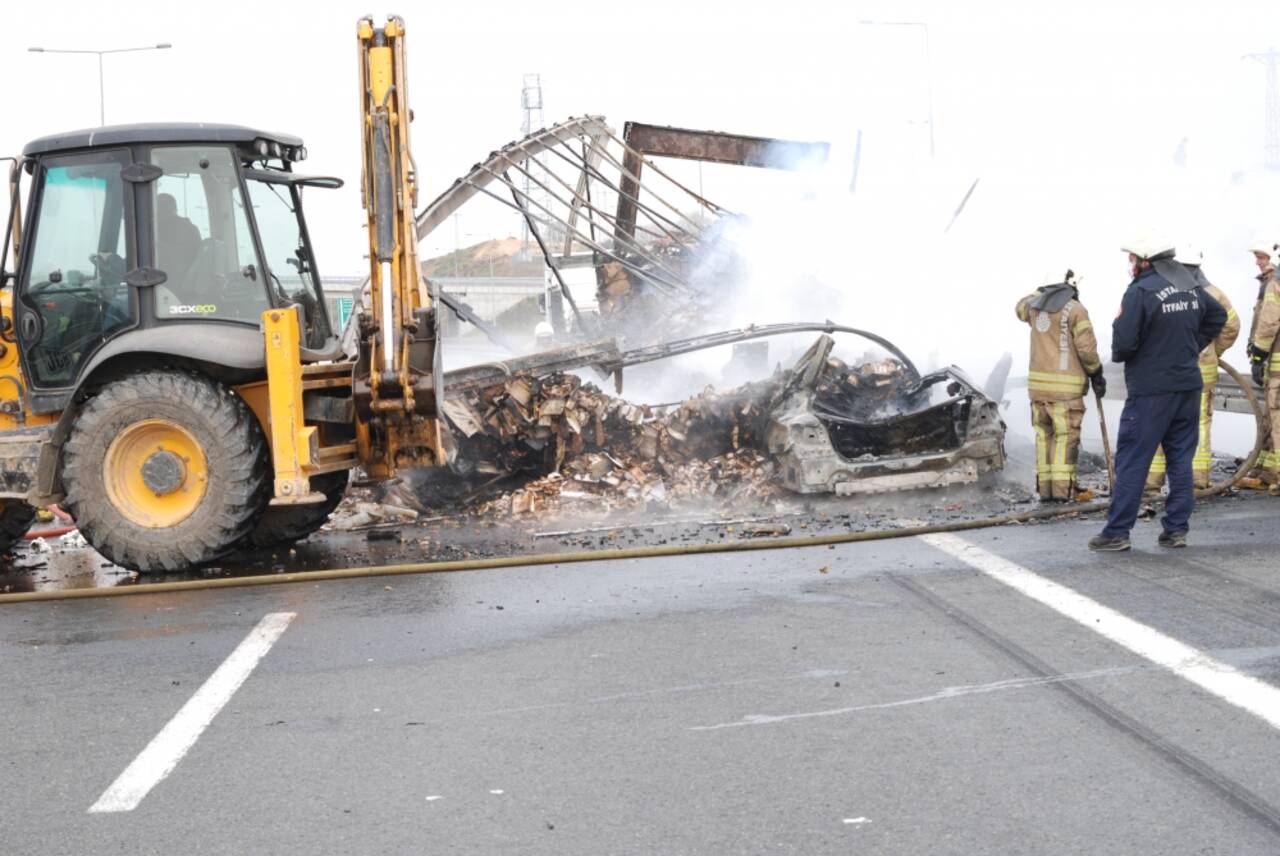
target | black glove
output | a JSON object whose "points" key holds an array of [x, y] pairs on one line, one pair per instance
{"points": [[1256, 354], [1258, 369], [1099, 382]]}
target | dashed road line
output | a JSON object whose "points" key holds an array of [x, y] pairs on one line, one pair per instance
{"points": [[168, 747]]}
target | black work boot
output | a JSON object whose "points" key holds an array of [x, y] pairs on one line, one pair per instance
{"points": [[1172, 539], [1103, 544]]}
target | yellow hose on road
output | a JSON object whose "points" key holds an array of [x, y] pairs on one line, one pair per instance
{"points": [[632, 552]]}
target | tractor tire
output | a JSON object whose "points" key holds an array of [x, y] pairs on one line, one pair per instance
{"points": [[16, 518], [283, 525], [165, 470]]}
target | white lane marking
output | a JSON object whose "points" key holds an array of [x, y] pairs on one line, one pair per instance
{"points": [[169, 746], [496, 792], [856, 821], [944, 693], [433, 797], [1213, 676]]}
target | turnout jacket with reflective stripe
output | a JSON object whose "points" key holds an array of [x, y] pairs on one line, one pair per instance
{"points": [[1227, 338], [1064, 351], [1266, 316], [1160, 333]]}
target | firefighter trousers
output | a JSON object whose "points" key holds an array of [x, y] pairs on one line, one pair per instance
{"points": [[1057, 426], [1202, 463], [1147, 422], [1268, 467]]}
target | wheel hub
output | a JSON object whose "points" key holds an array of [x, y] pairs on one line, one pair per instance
{"points": [[163, 472], [156, 473]]}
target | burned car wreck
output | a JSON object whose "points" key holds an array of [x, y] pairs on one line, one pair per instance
{"points": [[878, 427], [820, 426]]}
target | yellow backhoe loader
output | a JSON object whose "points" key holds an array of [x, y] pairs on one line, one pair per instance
{"points": [[169, 373]]}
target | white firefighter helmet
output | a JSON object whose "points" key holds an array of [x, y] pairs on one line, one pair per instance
{"points": [[1058, 275], [1189, 254], [1148, 248], [542, 332], [1264, 247]]}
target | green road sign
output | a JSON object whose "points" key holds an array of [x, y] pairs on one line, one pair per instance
{"points": [[345, 307]]}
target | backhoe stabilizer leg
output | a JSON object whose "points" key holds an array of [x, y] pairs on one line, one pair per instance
{"points": [[295, 447]]}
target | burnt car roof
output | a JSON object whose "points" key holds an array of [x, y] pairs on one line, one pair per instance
{"points": [[154, 132]]}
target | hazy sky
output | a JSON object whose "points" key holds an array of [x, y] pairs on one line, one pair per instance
{"points": [[1069, 112]]}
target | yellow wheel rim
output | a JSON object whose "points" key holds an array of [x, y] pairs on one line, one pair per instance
{"points": [[155, 473]]}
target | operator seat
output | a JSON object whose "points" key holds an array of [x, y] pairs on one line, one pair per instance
{"points": [[177, 240]]}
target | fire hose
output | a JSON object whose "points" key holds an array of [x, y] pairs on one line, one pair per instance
{"points": [[651, 552]]}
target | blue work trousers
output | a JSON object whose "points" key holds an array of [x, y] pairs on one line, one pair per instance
{"points": [[1171, 420]]}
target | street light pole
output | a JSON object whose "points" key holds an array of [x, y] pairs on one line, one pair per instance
{"points": [[102, 97], [928, 64]]}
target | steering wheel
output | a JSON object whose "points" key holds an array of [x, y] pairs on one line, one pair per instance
{"points": [[108, 272], [37, 290]]}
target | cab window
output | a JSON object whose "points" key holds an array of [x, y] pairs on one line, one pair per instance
{"points": [[289, 265], [202, 238], [74, 284]]}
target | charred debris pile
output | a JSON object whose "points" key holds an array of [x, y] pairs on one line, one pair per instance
{"points": [[819, 426], [577, 444]]}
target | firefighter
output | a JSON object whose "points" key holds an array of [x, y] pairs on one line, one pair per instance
{"points": [[1166, 320], [1202, 463], [1265, 362], [1064, 361]]}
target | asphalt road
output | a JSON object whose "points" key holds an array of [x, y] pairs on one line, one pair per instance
{"points": [[903, 701]]}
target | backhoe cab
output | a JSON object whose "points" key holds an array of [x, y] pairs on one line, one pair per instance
{"points": [[169, 372], [136, 384]]}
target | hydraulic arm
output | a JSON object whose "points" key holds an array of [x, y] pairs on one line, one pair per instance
{"points": [[396, 380]]}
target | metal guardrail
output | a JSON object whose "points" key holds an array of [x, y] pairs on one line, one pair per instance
{"points": [[1228, 396]]}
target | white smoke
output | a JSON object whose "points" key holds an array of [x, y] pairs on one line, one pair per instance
{"points": [[882, 259]]}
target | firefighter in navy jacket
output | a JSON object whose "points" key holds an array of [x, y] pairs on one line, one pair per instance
{"points": [[1166, 319]]}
